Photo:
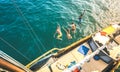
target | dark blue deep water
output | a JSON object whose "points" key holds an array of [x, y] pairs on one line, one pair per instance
{"points": [[27, 26]]}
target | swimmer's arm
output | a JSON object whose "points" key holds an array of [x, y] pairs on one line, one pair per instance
{"points": [[55, 34], [64, 29], [82, 14]]}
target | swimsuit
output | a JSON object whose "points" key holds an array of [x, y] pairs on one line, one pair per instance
{"points": [[59, 36]]}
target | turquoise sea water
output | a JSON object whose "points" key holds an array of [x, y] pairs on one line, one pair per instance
{"points": [[27, 26]]}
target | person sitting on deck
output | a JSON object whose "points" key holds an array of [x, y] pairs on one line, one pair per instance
{"points": [[58, 31], [80, 17], [67, 32]]}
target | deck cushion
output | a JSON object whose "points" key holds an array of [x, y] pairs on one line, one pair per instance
{"points": [[83, 49]]}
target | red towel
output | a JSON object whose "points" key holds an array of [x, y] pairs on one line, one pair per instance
{"points": [[76, 70]]}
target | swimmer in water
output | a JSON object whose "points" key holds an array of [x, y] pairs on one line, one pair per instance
{"points": [[67, 32], [58, 31], [73, 27], [80, 17]]}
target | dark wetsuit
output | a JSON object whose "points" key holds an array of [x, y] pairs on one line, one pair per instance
{"points": [[79, 20], [80, 17]]}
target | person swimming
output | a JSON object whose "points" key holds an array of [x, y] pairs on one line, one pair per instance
{"points": [[73, 27], [80, 17], [58, 31], [67, 32]]}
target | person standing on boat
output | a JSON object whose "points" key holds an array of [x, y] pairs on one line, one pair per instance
{"points": [[80, 17], [67, 32], [58, 32]]}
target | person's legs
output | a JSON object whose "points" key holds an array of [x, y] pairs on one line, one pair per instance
{"points": [[59, 37]]}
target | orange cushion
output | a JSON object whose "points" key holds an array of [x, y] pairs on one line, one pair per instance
{"points": [[103, 33]]}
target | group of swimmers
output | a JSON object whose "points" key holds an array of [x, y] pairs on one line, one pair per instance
{"points": [[67, 30]]}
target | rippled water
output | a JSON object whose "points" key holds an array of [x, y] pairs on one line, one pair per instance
{"points": [[27, 26]]}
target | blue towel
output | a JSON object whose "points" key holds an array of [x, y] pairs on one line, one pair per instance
{"points": [[71, 64], [83, 49]]}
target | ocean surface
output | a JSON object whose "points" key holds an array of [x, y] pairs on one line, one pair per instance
{"points": [[27, 27]]}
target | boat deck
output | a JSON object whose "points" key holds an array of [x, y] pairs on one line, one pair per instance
{"points": [[75, 56]]}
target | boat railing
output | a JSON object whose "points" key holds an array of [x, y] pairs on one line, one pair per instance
{"points": [[72, 46], [42, 56], [59, 51]]}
